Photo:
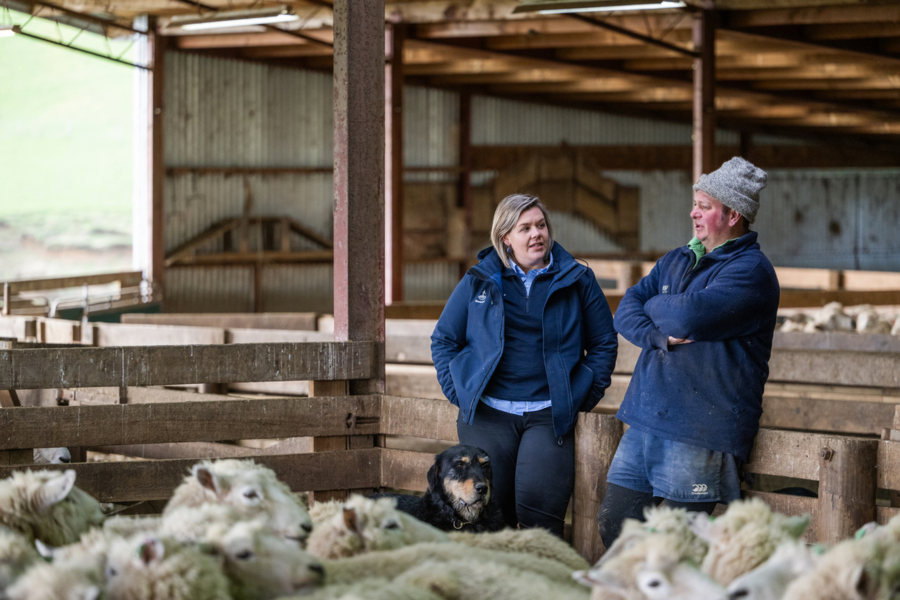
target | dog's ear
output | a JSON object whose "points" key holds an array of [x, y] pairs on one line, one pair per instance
{"points": [[434, 475]]}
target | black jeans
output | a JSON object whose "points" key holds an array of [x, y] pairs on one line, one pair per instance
{"points": [[621, 503], [533, 470]]}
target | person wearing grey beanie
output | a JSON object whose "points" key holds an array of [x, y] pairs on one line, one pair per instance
{"points": [[704, 318]]}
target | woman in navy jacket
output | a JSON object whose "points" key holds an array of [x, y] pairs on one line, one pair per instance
{"points": [[525, 342]]}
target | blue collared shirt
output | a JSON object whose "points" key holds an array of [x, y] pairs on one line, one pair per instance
{"points": [[518, 407]]}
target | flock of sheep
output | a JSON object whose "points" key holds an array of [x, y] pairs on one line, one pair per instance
{"points": [[834, 316], [233, 531]]}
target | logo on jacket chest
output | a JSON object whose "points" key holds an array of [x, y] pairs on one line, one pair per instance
{"points": [[481, 298], [665, 289]]}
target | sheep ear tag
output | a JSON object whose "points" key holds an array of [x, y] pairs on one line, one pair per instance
{"points": [[796, 526], [44, 550], [151, 550], [207, 479], [55, 490]]}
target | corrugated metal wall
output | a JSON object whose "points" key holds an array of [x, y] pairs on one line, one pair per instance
{"points": [[230, 113]]}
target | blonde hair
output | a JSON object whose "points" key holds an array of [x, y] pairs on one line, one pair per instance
{"points": [[507, 215]]}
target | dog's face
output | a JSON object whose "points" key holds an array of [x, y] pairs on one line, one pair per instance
{"points": [[464, 474]]}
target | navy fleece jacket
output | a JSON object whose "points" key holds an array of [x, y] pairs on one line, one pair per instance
{"points": [[579, 342], [707, 393]]}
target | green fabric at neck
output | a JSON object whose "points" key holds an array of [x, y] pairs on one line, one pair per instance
{"points": [[700, 250]]}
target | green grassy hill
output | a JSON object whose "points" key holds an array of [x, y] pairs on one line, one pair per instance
{"points": [[65, 126]]}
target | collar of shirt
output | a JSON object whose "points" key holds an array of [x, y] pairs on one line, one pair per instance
{"points": [[528, 278], [700, 250]]}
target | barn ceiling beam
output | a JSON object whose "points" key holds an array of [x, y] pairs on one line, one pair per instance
{"points": [[623, 31], [80, 18]]}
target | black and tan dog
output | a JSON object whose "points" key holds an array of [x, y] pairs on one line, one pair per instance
{"points": [[459, 493]]}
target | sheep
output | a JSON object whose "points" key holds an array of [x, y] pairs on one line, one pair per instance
{"points": [[864, 569], [666, 575], [796, 322], [31, 503], [869, 321], [470, 578], [744, 537], [538, 542], [389, 564], [320, 512], [895, 330], [832, 317], [155, 568], [770, 580], [251, 488], [51, 456], [615, 574], [371, 589], [366, 524], [16, 555], [52, 582]]}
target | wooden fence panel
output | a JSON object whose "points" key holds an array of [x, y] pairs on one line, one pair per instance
{"points": [[173, 365], [156, 480], [786, 453], [231, 419], [286, 321], [405, 470], [419, 417]]}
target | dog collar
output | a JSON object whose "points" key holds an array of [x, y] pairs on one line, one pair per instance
{"points": [[457, 524]]}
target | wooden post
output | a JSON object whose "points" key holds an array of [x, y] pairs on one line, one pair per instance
{"points": [[704, 138], [393, 180], [6, 297], [359, 179], [156, 159], [846, 486], [337, 443], [464, 184], [596, 439]]}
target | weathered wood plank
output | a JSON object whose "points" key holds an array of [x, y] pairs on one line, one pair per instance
{"points": [[285, 321], [786, 453], [405, 470], [413, 381], [114, 334], [202, 450], [883, 514], [156, 480], [888, 461], [172, 365], [419, 417], [596, 439], [806, 414], [847, 476], [231, 419], [879, 369], [126, 279]]}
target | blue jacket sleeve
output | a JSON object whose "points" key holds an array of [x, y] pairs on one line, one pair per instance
{"points": [[632, 320], [449, 337], [742, 297], [600, 340]]}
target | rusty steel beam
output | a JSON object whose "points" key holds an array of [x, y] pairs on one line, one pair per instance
{"points": [[359, 179], [704, 137], [393, 90]]}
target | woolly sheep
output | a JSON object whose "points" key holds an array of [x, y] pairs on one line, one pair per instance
{"points": [[16, 555], [155, 568], [468, 578], [869, 321], [251, 488], [370, 589], [262, 566], [51, 456], [31, 503], [667, 576], [366, 524], [389, 564], [615, 574], [320, 512], [832, 317], [744, 537], [52, 582], [538, 542], [770, 580]]}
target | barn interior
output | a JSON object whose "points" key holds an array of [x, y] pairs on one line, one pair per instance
{"points": [[317, 187]]}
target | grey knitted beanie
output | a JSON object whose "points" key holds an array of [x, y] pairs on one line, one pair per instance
{"points": [[736, 184]]}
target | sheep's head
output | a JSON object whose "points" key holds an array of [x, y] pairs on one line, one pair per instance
{"points": [[676, 581], [47, 506], [365, 524], [52, 582], [255, 490], [770, 580], [154, 567], [52, 456], [262, 566]]}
